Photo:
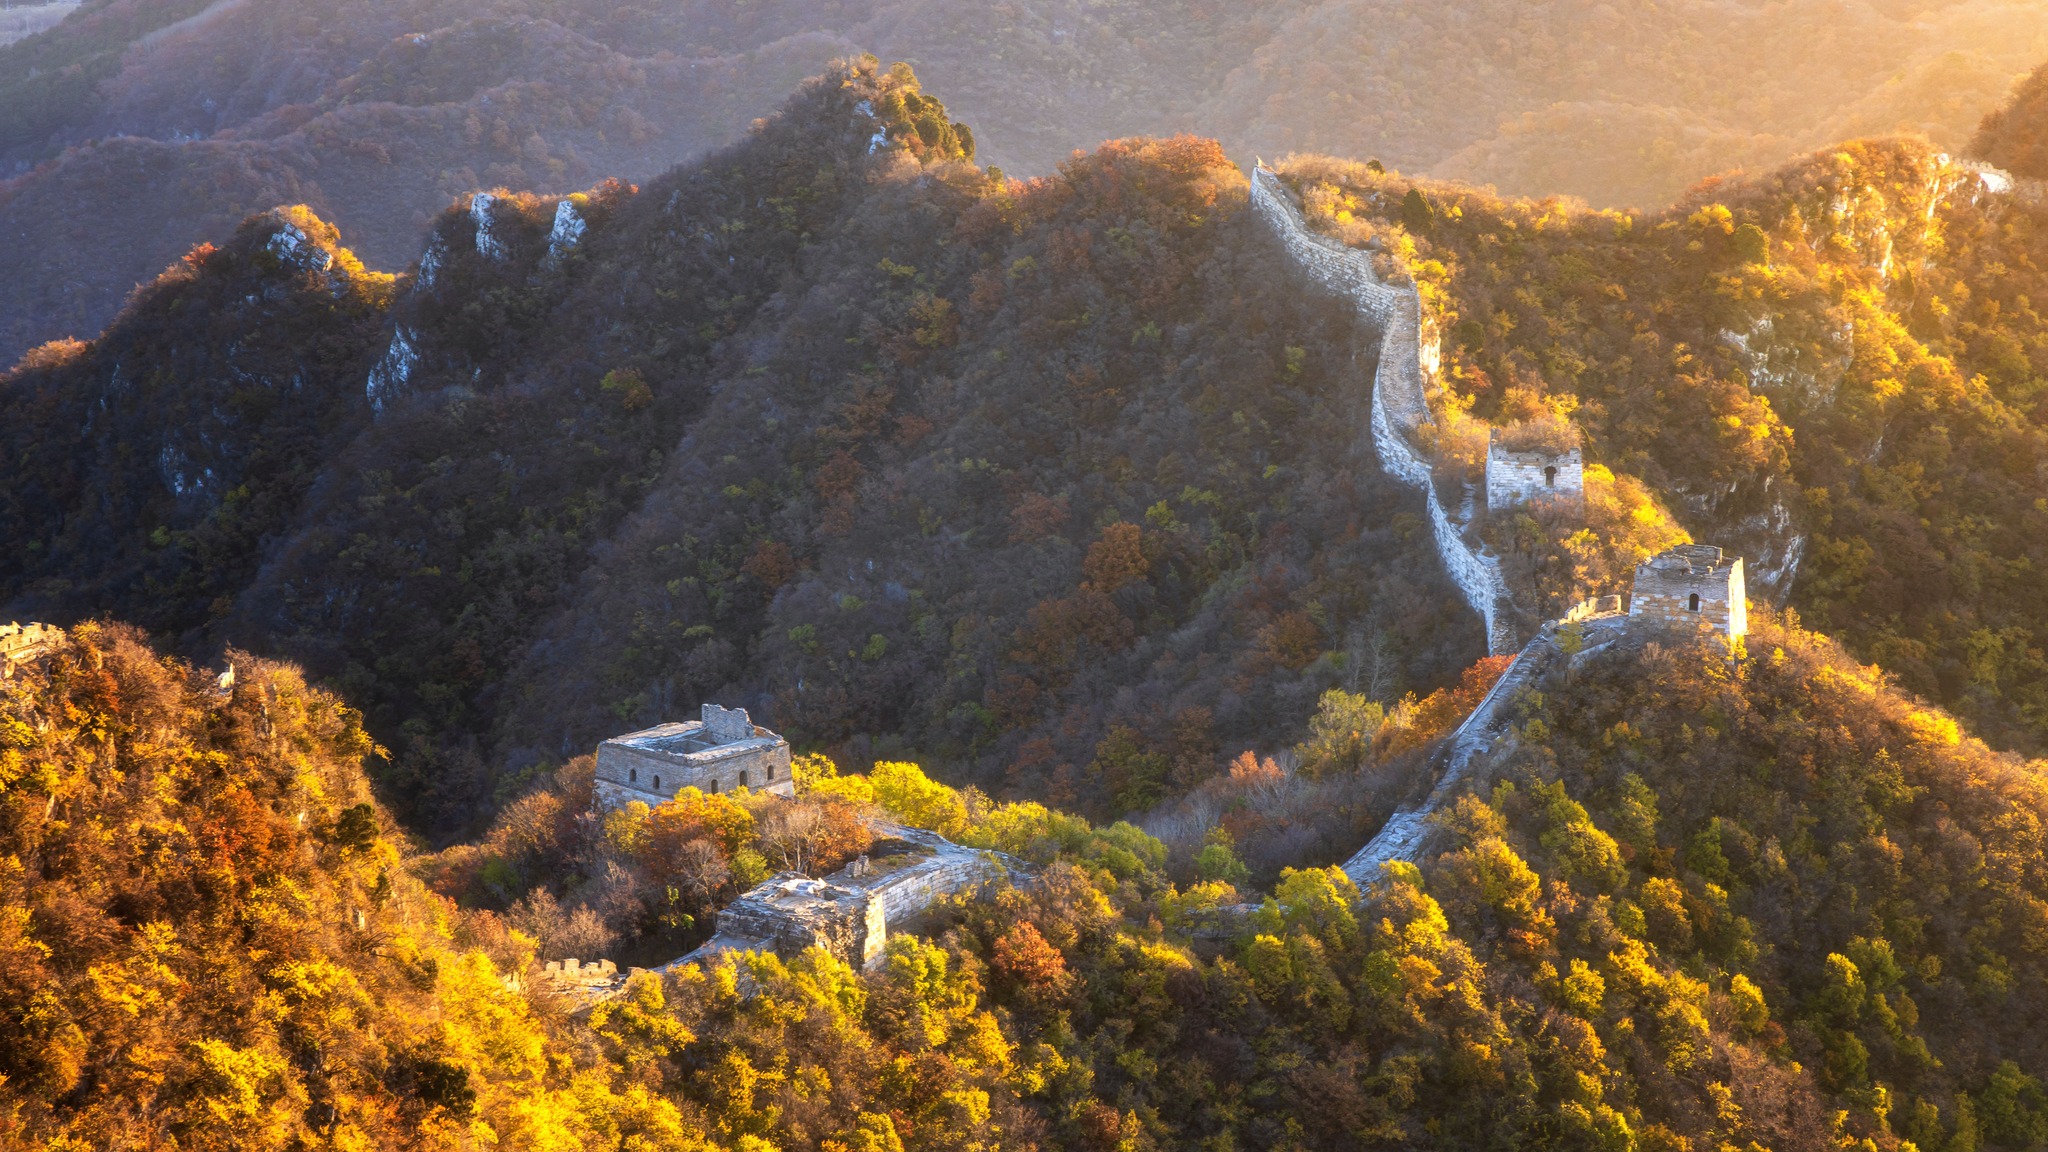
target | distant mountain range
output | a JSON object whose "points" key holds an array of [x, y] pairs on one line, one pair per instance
{"points": [[139, 127]]}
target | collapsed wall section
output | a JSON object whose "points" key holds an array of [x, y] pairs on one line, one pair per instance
{"points": [[1399, 404], [852, 912]]}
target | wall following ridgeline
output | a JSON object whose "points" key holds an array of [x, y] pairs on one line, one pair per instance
{"points": [[1399, 405], [1405, 832]]}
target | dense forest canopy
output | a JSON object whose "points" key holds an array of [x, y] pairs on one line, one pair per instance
{"points": [[1054, 484], [1021, 506], [2011, 135], [1835, 369], [1762, 902], [165, 122]]}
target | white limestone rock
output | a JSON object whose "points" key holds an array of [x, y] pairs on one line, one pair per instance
{"points": [[393, 371], [487, 242], [294, 248], [430, 262], [568, 231]]}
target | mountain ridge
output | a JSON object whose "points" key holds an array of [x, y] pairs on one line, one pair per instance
{"points": [[172, 141]]}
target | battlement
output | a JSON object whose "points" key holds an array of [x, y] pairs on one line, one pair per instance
{"points": [[1518, 477], [722, 751], [1691, 583]]}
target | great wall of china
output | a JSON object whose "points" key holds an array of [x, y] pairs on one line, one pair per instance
{"points": [[1402, 837], [1399, 404]]}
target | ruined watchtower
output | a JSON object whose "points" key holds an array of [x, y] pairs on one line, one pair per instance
{"points": [[1692, 582], [852, 912], [722, 751], [1534, 462], [20, 643]]}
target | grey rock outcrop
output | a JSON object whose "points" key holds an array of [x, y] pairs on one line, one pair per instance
{"points": [[488, 244], [567, 232], [393, 370]]}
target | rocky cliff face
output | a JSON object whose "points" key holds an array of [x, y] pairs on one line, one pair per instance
{"points": [[145, 467]]}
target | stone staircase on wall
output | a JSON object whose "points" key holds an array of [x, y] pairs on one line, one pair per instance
{"points": [[1399, 404]]}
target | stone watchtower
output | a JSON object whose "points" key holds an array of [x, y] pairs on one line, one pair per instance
{"points": [[1691, 583], [1520, 469], [21, 643], [722, 751]]}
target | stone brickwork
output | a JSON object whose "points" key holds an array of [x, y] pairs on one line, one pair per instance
{"points": [[851, 912], [1690, 584], [792, 913], [1520, 477], [1673, 578], [1589, 609], [20, 643], [722, 751], [1409, 351]]}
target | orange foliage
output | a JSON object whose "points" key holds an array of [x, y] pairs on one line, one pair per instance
{"points": [[1116, 560], [1417, 722], [770, 563]]}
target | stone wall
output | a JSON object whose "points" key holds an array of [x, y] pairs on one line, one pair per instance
{"points": [[629, 774], [792, 913], [722, 751], [1399, 404], [1713, 610], [906, 894], [727, 725], [1519, 477], [20, 643], [851, 912], [1403, 835], [1690, 584]]}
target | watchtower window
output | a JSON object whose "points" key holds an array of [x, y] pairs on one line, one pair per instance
{"points": [[1550, 476], [632, 776], [714, 785], [657, 783], [1693, 604], [743, 778]]}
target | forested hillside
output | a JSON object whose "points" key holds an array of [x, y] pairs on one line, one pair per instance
{"points": [[165, 122], [1763, 902], [1834, 369], [1019, 506], [1057, 484], [2012, 134], [1054, 484]]}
